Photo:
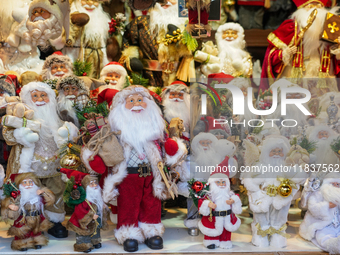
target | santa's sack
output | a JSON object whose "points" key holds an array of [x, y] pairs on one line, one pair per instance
{"points": [[105, 144]]}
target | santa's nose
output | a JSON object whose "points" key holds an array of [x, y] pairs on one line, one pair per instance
{"points": [[40, 99]]}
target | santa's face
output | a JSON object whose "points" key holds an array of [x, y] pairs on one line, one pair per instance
{"points": [[59, 70], [39, 14], [323, 135], [313, 5], [93, 184], [135, 103], [112, 78], [294, 96], [229, 35], [90, 5], [221, 183], [176, 96], [276, 153], [27, 183], [169, 3], [335, 184], [70, 91], [40, 98], [205, 144]]}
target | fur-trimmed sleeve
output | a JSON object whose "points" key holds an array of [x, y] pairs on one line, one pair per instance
{"points": [[237, 205], [8, 135], [203, 207], [48, 196]]}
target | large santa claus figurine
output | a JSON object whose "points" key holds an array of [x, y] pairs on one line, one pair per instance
{"points": [[218, 208], [56, 66], [270, 192], [38, 152], [114, 74], [321, 224], [290, 56], [160, 57], [89, 42], [136, 183], [234, 59]]}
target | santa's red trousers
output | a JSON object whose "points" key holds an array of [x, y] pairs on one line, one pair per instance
{"points": [[193, 16], [136, 202], [225, 236]]}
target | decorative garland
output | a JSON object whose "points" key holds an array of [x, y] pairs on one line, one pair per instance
{"points": [[74, 193]]}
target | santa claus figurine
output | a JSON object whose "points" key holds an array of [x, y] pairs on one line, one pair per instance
{"points": [[26, 205], [290, 56], [56, 66], [323, 135], [218, 208], [89, 215], [321, 224], [271, 189], [88, 43], [136, 183], [160, 58], [72, 93], [234, 60], [38, 152], [114, 74]]}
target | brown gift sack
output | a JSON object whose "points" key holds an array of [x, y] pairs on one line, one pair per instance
{"points": [[106, 145]]}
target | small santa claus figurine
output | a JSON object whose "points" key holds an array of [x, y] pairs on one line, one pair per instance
{"points": [[234, 59], [7, 88], [114, 74], [72, 93], [321, 224], [89, 215], [323, 135], [26, 205], [56, 66], [136, 183], [218, 208]]}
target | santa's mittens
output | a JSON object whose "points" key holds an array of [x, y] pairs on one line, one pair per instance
{"points": [[171, 147], [97, 164]]}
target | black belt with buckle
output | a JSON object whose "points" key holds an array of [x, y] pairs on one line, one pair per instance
{"points": [[143, 170], [221, 213], [31, 213]]}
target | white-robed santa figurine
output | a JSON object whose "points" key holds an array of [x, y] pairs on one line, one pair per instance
{"points": [[271, 189], [321, 224], [218, 208], [136, 182], [72, 92], [114, 74], [323, 135], [56, 66], [38, 152]]}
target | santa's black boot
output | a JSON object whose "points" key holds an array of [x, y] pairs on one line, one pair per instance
{"points": [[58, 231], [130, 245], [154, 243]]}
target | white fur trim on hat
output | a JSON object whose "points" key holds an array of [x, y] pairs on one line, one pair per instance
{"points": [[113, 68], [52, 8], [25, 93]]}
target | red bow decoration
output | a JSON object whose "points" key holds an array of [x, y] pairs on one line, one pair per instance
{"points": [[112, 25]]}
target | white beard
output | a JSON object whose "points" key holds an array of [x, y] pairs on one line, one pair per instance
{"points": [[311, 38], [231, 50], [67, 104], [270, 161], [331, 193], [48, 117], [41, 31], [138, 129], [208, 157], [47, 75], [30, 195], [97, 28], [324, 154], [94, 195], [119, 85], [219, 195], [177, 110], [160, 18]]}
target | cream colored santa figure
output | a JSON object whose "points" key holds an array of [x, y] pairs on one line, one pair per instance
{"points": [[56, 66], [234, 59], [151, 34], [72, 93], [37, 152], [88, 43], [218, 208], [114, 74], [323, 135], [271, 189], [136, 182], [290, 55], [321, 224]]}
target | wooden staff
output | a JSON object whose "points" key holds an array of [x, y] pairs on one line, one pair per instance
{"points": [[160, 166]]}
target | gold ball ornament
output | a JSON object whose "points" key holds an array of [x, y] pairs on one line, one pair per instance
{"points": [[178, 30], [339, 152], [174, 33], [159, 41], [175, 40], [167, 35], [70, 161], [285, 189]]}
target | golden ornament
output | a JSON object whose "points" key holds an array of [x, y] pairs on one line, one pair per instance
{"points": [[285, 189], [70, 161]]}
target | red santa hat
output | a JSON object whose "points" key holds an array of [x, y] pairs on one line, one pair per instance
{"points": [[302, 3], [57, 57], [220, 78], [221, 172], [107, 95], [83, 178], [113, 67]]}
